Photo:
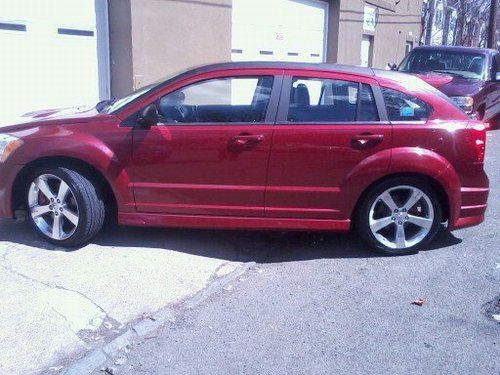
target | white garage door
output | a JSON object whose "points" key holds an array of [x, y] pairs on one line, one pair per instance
{"points": [[279, 30], [49, 55]]}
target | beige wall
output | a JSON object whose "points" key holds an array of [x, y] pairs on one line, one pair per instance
{"points": [[121, 69], [166, 36], [396, 25]]}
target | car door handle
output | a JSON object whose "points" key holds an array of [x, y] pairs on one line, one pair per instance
{"points": [[247, 139], [367, 140]]}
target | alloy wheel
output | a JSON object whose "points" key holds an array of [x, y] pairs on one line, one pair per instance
{"points": [[401, 217], [53, 207]]}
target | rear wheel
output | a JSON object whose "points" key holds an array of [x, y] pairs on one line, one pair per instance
{"points": [[399, 216], [63, 206]]}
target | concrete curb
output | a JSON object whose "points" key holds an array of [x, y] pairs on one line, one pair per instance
{"points": [[144, 328]]}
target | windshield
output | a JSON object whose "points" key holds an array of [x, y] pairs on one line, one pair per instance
{"points": [[115, 105], [466, 65]]}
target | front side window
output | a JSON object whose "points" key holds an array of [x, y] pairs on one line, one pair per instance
{"points": [[220, 100], [404, 107], [327, 100]]}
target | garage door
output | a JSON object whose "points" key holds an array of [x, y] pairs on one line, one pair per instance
{"points": [[279, 30], [49, 55]]}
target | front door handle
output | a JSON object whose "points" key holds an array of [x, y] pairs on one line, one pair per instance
{"points": [[247, 139], [367, 140]]}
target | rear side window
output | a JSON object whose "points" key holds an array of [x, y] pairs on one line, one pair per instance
{"points": [[404, 107], [220, 100], [327, 100]]}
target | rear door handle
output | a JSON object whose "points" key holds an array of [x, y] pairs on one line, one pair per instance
{"points": [[367, 140]]}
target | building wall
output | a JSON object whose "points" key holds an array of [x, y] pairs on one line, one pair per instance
{"points": [[396, 24], [152, 39]]}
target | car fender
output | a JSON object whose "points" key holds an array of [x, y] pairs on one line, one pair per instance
{"points": [[110, 160]]}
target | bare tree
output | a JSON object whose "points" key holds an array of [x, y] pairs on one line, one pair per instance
{"points": [[492, 30], [431, 9]]}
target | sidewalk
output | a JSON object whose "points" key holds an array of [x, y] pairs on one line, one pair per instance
{"points": [[57, 304]]}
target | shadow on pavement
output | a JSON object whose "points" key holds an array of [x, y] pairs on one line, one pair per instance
{"points": [[239, 246]]}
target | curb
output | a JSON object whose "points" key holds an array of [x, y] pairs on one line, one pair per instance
{"points": [[139, 331]]}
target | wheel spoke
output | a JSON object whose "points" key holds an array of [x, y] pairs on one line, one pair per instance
{"points": [[389, 202], [57, 230], [71, 216], [37, 211], [379, 224], [400, 236], [420, 221], [63, 191], [42, 185], [416, 195]]}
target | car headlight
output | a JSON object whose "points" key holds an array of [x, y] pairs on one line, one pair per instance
{"points": [[8, 144], [464, 102]]}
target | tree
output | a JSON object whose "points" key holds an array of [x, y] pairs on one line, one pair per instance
{"points": [[492, 30]]}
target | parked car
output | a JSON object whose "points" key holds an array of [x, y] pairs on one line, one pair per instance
{"points": [[469, 76], [278, 146]]}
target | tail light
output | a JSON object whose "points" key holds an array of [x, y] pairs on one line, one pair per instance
{"points": [[476, 132]]}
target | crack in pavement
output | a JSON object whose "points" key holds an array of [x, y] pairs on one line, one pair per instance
{"points": [[7, 265]]}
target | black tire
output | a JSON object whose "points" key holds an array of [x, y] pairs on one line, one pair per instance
{"points": [[90, 200], [363, 212]]}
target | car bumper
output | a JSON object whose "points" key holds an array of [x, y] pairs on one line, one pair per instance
{"points": [[473, 207], [8, 173]]}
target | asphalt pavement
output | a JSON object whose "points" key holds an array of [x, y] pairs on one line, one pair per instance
{"points": [[324, 304]]}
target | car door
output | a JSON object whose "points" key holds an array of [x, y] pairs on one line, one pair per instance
{"points": [[328, 125], [208, 154]]}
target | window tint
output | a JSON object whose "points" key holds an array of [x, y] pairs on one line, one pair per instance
{"points": [[326, 100], [237, 99], [403, 107]]}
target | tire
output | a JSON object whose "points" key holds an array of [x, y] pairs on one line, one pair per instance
{"points": [[405, 228], [69, 222]]}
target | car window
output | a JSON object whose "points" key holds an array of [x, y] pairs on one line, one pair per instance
{"points": [[327, 100], [466, 65], [220, 100], [404, 107]]}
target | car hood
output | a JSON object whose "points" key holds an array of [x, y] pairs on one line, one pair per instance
{"points": [[52, 117], [452, 86]]}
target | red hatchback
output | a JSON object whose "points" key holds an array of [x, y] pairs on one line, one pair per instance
{"points": [[253, 146]]}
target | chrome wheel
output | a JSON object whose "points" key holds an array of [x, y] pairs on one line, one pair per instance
{"points": [[53, 207], [401, 217]]}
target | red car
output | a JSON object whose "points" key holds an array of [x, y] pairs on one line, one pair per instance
{"points": [[253, 146]]}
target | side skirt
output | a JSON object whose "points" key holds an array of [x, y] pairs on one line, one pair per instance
{"points": [[230, 222]]}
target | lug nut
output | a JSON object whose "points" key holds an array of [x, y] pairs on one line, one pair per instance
{"points": [[58, 201], [400, 222], [61, 209], [57, 213], [52, 199]]}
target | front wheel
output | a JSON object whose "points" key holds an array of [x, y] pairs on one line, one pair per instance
{"points": [[399, 216], [64, 206]]}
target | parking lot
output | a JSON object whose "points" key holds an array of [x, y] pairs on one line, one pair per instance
{"points": [[316, 301]]}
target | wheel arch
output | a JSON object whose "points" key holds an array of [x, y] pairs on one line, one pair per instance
{"points": [[443, 198], [86, 169]]}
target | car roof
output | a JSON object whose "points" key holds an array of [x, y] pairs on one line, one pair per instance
{"points": [[285, 65], [484, 51]]}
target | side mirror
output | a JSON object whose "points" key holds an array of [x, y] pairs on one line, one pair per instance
{"points": [[392, 66], [148, 117]]}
